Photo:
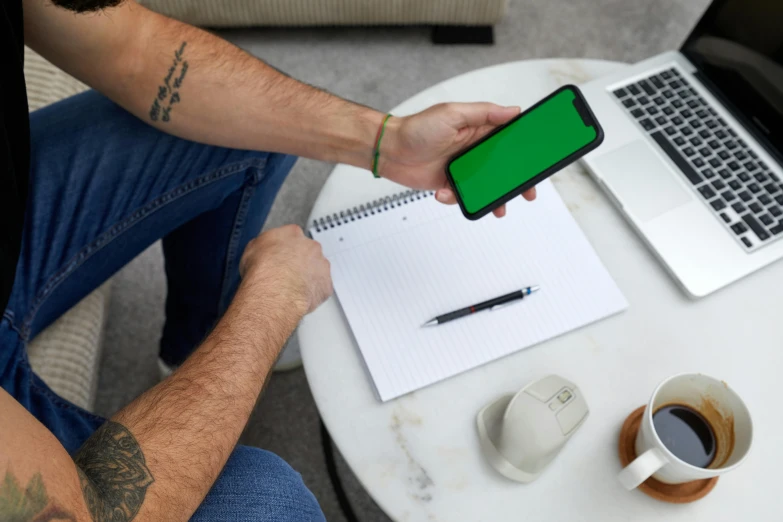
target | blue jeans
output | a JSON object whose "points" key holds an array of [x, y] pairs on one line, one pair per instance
{"points": [[103, 187]]}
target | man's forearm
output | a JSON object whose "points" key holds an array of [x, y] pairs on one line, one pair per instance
{"points": [[193, 84], [174, 440]]}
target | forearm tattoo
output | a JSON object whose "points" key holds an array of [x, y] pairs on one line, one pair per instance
{"points": [[168, 92], [30, 503], [113, 473]]}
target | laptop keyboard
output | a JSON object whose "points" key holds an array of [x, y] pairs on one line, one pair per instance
{"points": [[738, 187]]}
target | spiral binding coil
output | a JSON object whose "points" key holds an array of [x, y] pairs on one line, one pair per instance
{"points": [[375, 207]]}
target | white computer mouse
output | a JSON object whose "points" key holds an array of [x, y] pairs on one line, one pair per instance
{"points": [[520, 434]]}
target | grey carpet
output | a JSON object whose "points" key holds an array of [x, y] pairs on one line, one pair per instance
{"points": [[377, 67]]}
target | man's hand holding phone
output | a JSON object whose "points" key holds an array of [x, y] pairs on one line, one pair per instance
{"points": [[416, 149]]}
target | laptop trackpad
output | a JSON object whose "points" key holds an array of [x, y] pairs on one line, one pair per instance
{"points": [[640, 179]]}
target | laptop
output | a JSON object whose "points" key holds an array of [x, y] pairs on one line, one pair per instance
{"points": [[693, 154]]}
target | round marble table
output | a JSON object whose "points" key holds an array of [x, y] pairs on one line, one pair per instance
{"points": [[418, 456]]}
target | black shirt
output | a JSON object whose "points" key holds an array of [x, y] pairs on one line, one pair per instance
{"points": [[14, 143]]}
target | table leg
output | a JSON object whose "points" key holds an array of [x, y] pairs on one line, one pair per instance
{"points": [[331, 468]]}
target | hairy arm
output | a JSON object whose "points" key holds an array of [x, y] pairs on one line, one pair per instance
{"points": [[193, 84], [157, 458]]}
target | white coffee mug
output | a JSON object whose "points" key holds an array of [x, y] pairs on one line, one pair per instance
{"points": [[721, 408]]}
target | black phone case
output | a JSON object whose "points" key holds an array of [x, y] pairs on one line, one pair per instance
{"points": [[587, 114]]}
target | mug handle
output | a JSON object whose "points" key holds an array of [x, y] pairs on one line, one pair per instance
{"points": [[642, 468]]}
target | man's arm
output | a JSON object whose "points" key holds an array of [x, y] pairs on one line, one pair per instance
{"points": [[193, 84], [157, 458]]}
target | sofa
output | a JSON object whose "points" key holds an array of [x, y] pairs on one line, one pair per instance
{"points": [[454, 21]]}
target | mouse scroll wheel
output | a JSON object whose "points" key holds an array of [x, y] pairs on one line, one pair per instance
{"points": [[564, 396]]}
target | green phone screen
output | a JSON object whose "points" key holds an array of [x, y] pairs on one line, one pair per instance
{"points": [[539, 139]]}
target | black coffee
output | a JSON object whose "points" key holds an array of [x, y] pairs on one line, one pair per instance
{"points": [[686, 433]]}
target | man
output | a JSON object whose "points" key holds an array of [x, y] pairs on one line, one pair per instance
{"points": [[172, 152]]}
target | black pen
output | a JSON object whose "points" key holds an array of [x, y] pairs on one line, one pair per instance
{"points": [[492, 304]]}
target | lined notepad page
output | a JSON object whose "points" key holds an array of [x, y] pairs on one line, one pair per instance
{"points": [[397, 269]]}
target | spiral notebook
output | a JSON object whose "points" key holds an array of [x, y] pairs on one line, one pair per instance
{"points": [[402, 260]]}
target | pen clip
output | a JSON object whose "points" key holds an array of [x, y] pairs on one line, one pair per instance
{"points": [[498, 307]]}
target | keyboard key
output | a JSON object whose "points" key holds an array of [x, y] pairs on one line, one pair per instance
{"points": [[666, 75], [779, 199], [670, 130], [731, 145], [762, 164], [646, 87], [754, 188], [734, 184], [711, 124], [742, 143], [745, 196], [755, 207], [715, 163], [677, 120], [695, 124], [733, 165], [722, 122], [718, 204], [704, 133], [667, 94], [775, 211], [777, 229], [687, 131], [773, 177], [679, 140], [683, 93], [746, 242], [652, 110], [720, 134], [715, 144], [701, 113], [647, 124], [740, 155], [688, 151], [743, 176], [660, 120], [719, 184], [704, 151], [629, 102], [728, 196], [658, 100], [633, 89], [620, 93], [725, 217], [676, 84], [637, 113], [709, 173], [764, 199], [771, 188], [751, 166], [698, 162], [686, 113], [766, 219], [738, 207], [644, 100], [693, 104], [725, 174], [657, 82], [695, 141], [706, 192], [668, 111], [732, 133], [676, 157], [676, 103], [739, 228], [756, 227], [760, 177], [724, 154]]}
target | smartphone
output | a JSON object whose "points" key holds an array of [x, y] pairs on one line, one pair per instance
{"points": [[544, 139]]}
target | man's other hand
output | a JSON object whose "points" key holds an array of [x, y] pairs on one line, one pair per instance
{"points": [[293, 263], [416, 148]]}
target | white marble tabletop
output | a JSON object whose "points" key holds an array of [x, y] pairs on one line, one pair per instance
{"points": [[418, 456]]}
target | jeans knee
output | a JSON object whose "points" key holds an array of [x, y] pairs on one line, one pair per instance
{"points": [[257, 485]]}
